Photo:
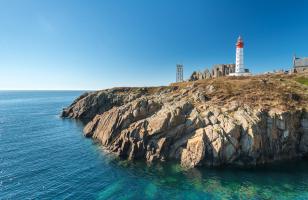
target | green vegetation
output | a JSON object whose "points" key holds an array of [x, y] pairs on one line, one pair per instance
{"points": [[302, 80]]}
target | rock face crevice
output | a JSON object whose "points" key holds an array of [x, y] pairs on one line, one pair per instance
{"points": [[186, 124]]}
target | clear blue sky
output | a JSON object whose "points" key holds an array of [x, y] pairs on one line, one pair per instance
{"points": [[81, 44]]}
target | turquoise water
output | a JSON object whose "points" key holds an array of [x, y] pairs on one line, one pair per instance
{"points": [[45, 157]]}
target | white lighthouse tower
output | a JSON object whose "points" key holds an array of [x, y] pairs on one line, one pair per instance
{"points": [[239, 60]]}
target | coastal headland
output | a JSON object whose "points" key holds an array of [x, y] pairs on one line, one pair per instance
{"points": [[245, 121]]}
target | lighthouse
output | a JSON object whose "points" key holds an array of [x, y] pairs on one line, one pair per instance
{"points": [[239, 60]]}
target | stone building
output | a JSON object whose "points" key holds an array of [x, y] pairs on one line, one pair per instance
{"points": [[299, 64], [215, 72], [222, 70]]}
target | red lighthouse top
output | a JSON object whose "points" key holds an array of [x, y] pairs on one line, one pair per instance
{"points": [[239, 43]]}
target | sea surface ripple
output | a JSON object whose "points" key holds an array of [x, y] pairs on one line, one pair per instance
{"points": [[45, 157]]}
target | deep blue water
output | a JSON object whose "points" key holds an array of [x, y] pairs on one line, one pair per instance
{"points": [[45, 157]]}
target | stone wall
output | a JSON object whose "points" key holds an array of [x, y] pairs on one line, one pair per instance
{"points": [[300, 64], [300, 69], [222, 70], [216, 71]]}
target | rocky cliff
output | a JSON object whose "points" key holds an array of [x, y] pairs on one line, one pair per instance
{"points": [[241, 121]]}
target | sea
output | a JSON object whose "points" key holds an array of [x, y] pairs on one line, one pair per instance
{"points": [[43, 156]]}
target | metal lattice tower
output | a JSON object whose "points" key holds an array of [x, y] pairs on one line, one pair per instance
{"points": [[179, 73]]}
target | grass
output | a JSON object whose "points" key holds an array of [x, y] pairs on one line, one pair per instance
{"points": [[302, 80], [262, 91]]}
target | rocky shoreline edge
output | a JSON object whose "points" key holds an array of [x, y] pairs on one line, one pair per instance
{"points": [[224, 121]]}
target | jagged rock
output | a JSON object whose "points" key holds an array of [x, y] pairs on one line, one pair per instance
{"points": [[88, 105], [194, 153], [210, 89], [304, 138], [192, 126]]}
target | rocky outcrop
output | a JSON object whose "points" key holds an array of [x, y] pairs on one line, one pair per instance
{"points": [[192, 125], [89, 104]]}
